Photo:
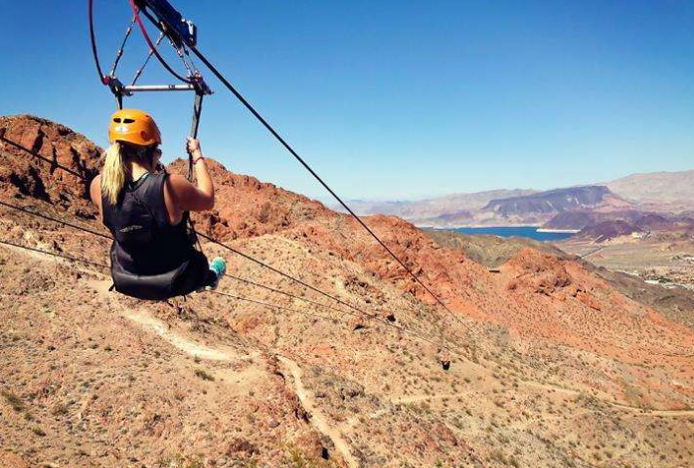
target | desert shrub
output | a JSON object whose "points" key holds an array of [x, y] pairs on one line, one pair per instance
{"points": [[180, 461], [297, 459], [14, 401], [204, 375]]}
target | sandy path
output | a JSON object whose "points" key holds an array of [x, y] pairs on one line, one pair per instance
{"points": [[146, 321], [317, 418], [194, 349]]}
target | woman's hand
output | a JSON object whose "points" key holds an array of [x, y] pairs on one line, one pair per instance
{"points": [[193, 146]]}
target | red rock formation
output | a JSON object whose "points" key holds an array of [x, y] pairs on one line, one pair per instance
{"points": [[27, 175]]}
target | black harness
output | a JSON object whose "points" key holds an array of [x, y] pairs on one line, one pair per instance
{"points": [[150, 258]]}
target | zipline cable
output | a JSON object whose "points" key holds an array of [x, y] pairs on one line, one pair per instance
{"points": [[279, 291], [274, 306], [60, 221], [101, 265], [379, 322], [43, 158], [47, 252], [237, 297], [248, 257], [213, 240], [291, 150], [221, 293], [245, 256], [209, 238], [283, 274]]}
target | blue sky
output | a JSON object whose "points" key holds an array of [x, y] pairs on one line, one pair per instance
{"points": [[392, 99]]}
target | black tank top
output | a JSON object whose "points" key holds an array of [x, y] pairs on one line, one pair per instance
{"points": [[145, 243]]}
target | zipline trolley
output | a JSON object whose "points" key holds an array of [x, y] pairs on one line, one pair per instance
{"points": [[180, 33]]}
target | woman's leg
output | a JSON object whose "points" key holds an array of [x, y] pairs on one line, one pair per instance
{"points": [[194, 277]]}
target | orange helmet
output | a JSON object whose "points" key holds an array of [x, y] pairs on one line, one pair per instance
{"points": [[133, 126]]}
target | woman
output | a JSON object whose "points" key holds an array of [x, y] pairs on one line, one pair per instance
{"points": [[153, 255]]}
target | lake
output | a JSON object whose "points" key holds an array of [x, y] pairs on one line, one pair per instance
{"points": [[519, 231]]}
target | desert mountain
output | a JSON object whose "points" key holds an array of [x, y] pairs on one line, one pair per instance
{"points": [[675, 189], [662, 192], [434, 207], [534, 208], [556, 201], [581, 219], [604, 225], [551, 364]]}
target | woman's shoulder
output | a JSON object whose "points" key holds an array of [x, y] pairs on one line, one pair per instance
{"points": [[177, 186], [95, 188], [176, 182]]}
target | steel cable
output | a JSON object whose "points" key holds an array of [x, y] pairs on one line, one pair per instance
{"points": [[291, 150], [233, 296], [282, 141], [231, 249]]}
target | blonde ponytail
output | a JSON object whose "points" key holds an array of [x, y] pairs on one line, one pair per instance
{"points": [[115, 173]]}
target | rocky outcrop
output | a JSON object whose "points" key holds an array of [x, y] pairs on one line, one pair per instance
{"points": [[538, 272], [32, 149]]}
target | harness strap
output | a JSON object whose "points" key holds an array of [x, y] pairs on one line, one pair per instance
{"points": [[195, 125]]}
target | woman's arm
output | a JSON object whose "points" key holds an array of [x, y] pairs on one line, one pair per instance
{"points": [[205, 185], [181, 195]]}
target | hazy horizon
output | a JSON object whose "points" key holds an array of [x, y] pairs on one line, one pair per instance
{"points": [[328, 199]]}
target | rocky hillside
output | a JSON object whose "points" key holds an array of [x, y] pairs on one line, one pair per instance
{"points": [[551, 365], [493, 251]]}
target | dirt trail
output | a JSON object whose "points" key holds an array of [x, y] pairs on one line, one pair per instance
{"points": [[198, 350], [146, 321], [185, 345], [316, 416]]}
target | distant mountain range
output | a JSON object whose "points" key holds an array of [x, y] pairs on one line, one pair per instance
{"points": [[552, 201], [561, 208], [673, 191], [434, 207]]}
